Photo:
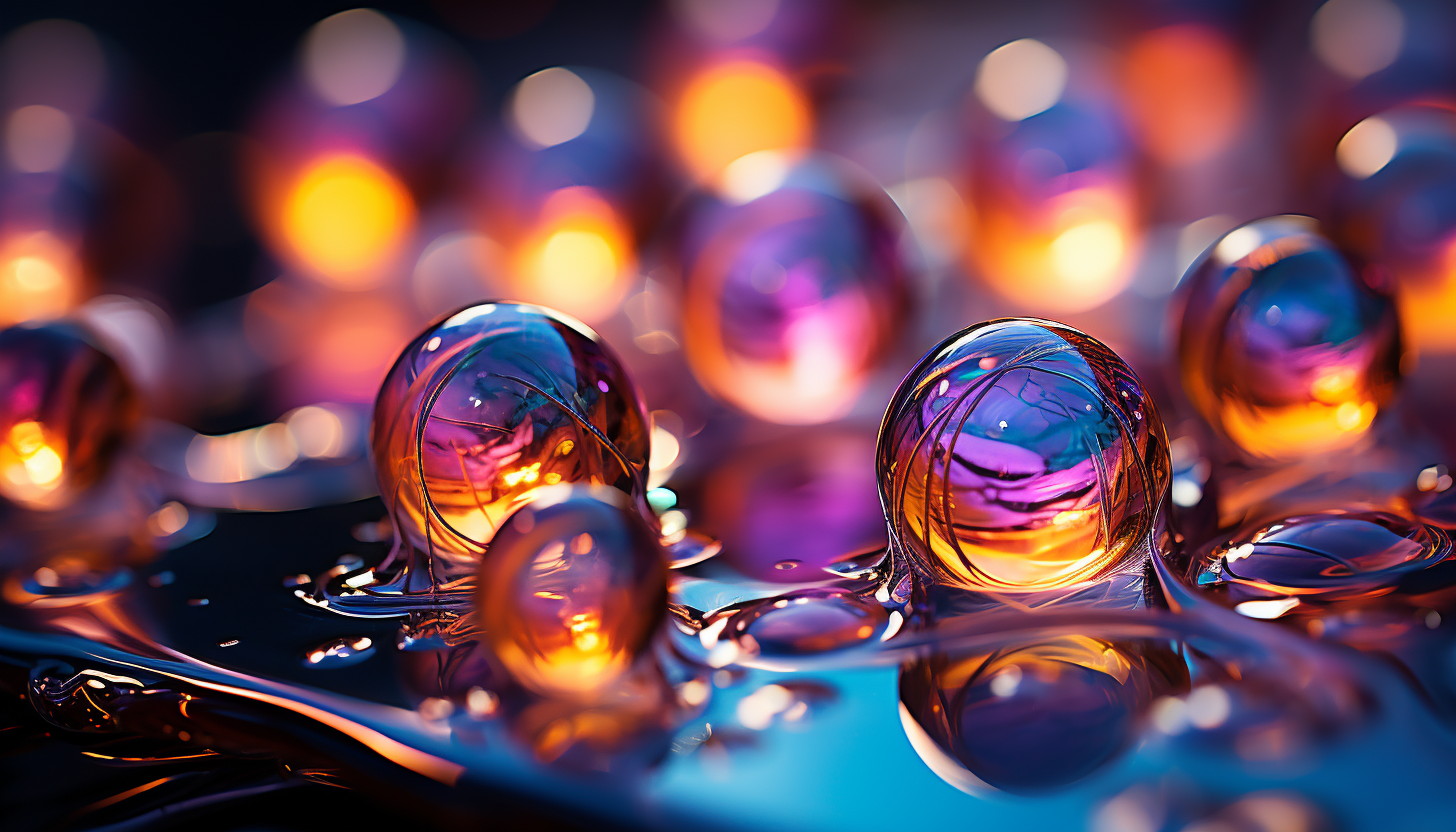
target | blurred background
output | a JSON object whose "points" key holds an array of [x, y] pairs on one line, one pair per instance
{"points": [[262, 204]]}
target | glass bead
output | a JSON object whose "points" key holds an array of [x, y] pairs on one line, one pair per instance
{"points": [[1285, 347], [482, 411], [1022, 455], [66, 407], [1307, 562], [572, 590], [792, 297]]}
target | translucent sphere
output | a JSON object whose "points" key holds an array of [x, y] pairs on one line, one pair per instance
{"points": [[1286, 348], [1022, 455], [793, 288], [1307, 562], [484, 409], [65, 409], [572, 590], [1034, 716], [806, 622]]}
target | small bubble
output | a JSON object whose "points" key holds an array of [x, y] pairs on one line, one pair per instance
{"points": [[197, 602], [787, 564], [229, 642], [161, 579]]}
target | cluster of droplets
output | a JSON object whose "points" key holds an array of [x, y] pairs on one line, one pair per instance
{"points": [[1021, 461]]}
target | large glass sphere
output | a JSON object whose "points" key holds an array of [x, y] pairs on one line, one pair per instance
{"points": [[1022, 455], [793, 288], [572, 590], [485, 408], [65, 409], [1285, 347]]}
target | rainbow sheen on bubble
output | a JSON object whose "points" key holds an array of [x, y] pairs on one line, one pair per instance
{"points": [[1022, 455], [483, 410], [1286, 348], [572, 590]]}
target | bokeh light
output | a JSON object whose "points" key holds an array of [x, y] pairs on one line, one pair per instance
{"points": [[353, 56], [40, 278], [38, 138], [344, 218], [1187, 92], [1021, 79], [577, 258], [1368, 147], [1356, 38], [732, 109], [552, 106]]}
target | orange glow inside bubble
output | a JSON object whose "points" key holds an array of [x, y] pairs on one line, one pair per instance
{"points": [[737, 108], [343, 219], [1072, 254], [1428, 306], [577, 258], [39, 279], [1187, 93], [31, 463]]}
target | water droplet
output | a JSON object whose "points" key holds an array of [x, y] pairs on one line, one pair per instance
{"points": [[1065, 493], [230, 642], [1308, 562], [162, 579], [1306, 381], [197, 602], [340, 652], [787, 564], [569, 605], [806, 622]]}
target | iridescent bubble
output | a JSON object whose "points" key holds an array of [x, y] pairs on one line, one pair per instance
{"points": [[572, 590], [1310, 562], [1285, 347], [1035, 716], [482, 411], [793, 287], [66, 407], [1022, 455]]}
